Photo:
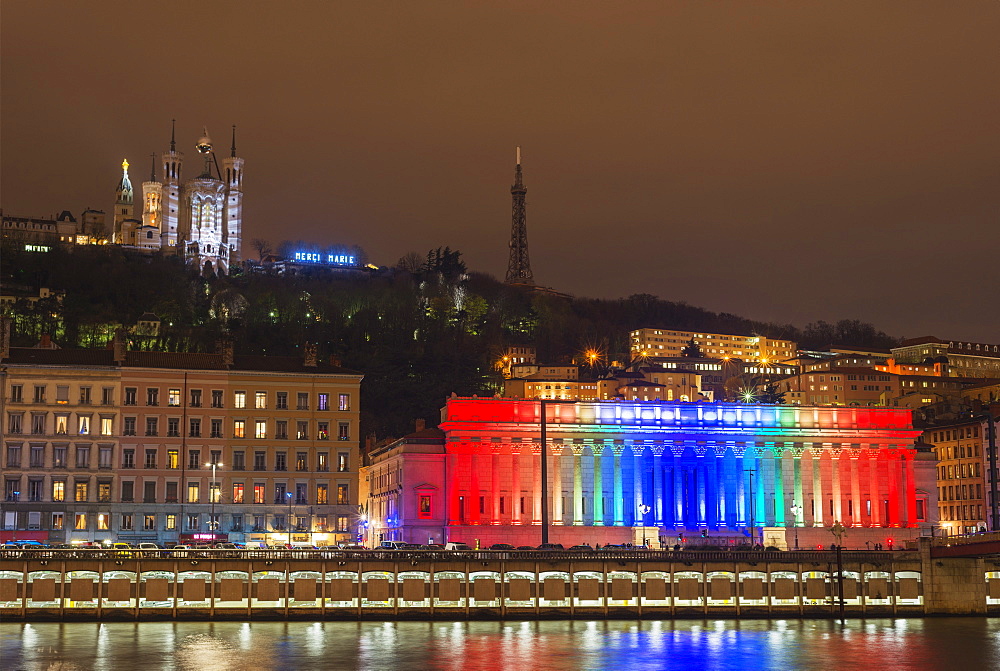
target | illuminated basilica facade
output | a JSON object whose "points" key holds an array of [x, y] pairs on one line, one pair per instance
{"points": [[201, 218], [622, 471]]}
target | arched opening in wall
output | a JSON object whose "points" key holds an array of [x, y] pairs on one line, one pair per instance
{"points": [[207, 270]]}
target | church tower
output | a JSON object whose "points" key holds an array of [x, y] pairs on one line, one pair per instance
{"points": [[234, 203], [152, 193], [124, 204], [148, 235], [171, 192], [518, 266]]}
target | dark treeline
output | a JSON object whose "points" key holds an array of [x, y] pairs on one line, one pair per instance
{"points": [[418, 332]]}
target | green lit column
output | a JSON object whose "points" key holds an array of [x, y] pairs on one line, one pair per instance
{"points": [[597, 450]]}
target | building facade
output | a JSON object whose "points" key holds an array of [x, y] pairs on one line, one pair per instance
{"points": [[620, 471], [962, 359], [109, 444], [649, 342]]}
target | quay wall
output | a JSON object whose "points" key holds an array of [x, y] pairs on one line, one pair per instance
{"points": [[528, 585]]}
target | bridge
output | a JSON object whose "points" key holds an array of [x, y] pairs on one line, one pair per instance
{"points": [[984, 545]]}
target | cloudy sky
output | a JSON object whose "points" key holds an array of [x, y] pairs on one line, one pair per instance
{"points": [[784, 161]]}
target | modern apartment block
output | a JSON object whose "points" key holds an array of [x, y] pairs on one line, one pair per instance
{"points": [[649, 342], [102, 444]]}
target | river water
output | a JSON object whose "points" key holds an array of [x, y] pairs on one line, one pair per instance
{"points": [[965, 644]]}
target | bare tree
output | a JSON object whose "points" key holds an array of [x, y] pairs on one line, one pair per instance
{"points": [[411, 263], [262, 246]]}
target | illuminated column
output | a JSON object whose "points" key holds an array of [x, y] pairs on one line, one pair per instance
{"points": [[874, 494], [515, 476], [494, 508], [678, 484], [780, 505], [597, 450], [838, 513], [473, 502], [577, 485], [454, 487], [816, 452], [709, 462], [535, 473], [796, 450], [638, 471], [721, 492], [701, 486], [892, 466], [911, 490], [658, 485], [856, 505], [619, 502], [557, 490]]}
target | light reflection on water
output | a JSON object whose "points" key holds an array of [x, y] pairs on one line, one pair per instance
{"points": [[970, 644]]}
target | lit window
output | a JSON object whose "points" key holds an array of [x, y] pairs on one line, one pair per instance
{"points": [[260, 428], [260, 400], [239, 399]]}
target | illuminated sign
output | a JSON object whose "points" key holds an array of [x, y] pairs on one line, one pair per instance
{"points": [[37, 248], [326, 259]]}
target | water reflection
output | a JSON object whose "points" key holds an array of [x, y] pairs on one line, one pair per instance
{"points": [[899, 644]]}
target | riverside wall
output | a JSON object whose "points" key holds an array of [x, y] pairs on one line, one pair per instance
{"points": [[529, 585]]}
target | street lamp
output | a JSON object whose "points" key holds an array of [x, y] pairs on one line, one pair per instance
{"points": [[753, 523], [213, 494], [288, 495], [796, 511]]}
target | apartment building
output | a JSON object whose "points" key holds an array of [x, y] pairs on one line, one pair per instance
{"points": [[103, 444], [960, 450], [649, 342]]}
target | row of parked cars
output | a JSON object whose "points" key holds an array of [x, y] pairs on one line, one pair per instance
{"points": [[123, 550]]}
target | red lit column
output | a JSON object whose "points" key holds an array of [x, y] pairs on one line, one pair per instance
{"points": [[872, 457], [857, 516], [892, 466], [557, 488], [454, 486], [515, 476], [494, 508], [472, 505], [838, 513], [911, 490]]}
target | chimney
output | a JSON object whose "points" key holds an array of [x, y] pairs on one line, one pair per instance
{"points": [[45, 342], [309, 358], [420, 424], [119, 346], [335, 361], [225, 349], [4, 338]]}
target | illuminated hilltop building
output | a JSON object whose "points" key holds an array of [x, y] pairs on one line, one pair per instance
{"points": [[201, 218], [623, 471]]}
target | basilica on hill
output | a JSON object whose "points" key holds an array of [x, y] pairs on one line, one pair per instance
{"points": [[200, 218]]}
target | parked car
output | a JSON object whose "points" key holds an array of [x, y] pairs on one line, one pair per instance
{"points": [[525, 547], [551, 547], [181, 551], [122, 550], [392, 545], [581, 548], [457, 547], [149, 550], [501, 546]]}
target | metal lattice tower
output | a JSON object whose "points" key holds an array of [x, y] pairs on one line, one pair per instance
{"points": [[518, 267]]}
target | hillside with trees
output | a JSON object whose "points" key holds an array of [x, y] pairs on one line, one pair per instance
{"points": [[418, 331]]}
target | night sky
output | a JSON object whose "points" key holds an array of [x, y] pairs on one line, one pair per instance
{"points": [[783, 161]]}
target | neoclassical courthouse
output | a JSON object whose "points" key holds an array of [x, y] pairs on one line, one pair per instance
{"points": [[666, 472]]}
